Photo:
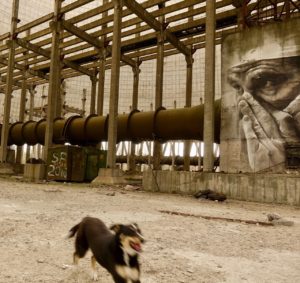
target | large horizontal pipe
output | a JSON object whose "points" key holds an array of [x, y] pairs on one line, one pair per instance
{"points": [[161, 125]]}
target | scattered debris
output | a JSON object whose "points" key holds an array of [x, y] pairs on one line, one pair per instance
{"points": [[131, 188], [52, 190], [255, 222], [273, 216], [66, 266], [210, 194], [40, 261], [275, 220]]}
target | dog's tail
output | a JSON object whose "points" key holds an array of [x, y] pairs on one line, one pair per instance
{"points": [[72, 231]]}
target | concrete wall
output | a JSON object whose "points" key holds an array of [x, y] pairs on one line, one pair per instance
{"points": [[269, 188], [260, 86]]}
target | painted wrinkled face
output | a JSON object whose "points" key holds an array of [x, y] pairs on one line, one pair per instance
{"points": [[276, 82]]}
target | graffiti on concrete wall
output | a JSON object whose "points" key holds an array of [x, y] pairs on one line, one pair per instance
{"points": [[260, 97], [57, 166], [269, 107]]}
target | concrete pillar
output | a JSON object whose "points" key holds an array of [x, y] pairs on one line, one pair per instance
{"points": [[83, 99], [22, 116], [59, 100], [159, 89], [199, 152], [241, 7], [101, 78], [44, 97], [136, 78], [101, 84], [61, 83], [209, 94], [135, 91], [172, 149], [93, 94], [287, 8], [30, 115], [54, 77], [188, 103], [114, 86], [63, 94], [23, 103], [9, 81]]}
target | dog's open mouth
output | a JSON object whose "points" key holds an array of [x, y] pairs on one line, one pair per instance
{"points": [[136, 246]]}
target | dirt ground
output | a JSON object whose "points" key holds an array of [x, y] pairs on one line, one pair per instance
{"points": [[35, 218]]}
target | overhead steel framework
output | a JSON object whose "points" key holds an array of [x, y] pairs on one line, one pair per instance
{"points": [[117, 33]]}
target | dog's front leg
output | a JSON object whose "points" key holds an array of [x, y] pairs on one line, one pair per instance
{"points": [[94, 271], [75, 258], [118, 279]]}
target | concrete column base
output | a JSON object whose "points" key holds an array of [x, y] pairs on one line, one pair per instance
{"points": [[34, 172], [6, 169], [108, 176]]}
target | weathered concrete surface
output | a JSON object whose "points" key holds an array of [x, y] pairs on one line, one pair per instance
{"points": [[34, 172], [269, 188], [109, 176], [6, 169]]}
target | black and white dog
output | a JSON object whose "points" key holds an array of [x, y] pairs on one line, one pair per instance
{"points": [[116, 251]]}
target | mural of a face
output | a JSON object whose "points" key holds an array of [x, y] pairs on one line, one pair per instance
{"points": [[274, 81], [269, 104]]}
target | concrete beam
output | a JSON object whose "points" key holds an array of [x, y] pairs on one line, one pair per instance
{"points": [[22, 67], [82, 34], [46, 53], [94, 41], [156, 25]]}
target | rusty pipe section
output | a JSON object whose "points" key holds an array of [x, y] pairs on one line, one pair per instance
{"points": [[162, 125]]}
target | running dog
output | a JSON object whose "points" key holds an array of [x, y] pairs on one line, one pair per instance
{"points": [[116, 249]]}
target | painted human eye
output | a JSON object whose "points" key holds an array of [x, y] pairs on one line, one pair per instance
{"points": [[234, 82], [266, 81]]}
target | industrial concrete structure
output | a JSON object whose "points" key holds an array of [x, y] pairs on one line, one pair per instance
{"points": [[257, 124]]}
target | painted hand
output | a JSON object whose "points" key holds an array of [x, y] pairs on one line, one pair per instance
{"points": [[294, 110], [265, 144]]}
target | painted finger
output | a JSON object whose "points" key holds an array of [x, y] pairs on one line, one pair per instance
{"points": [[249, 132], [255, 125], [263, 116], [294, 110], [294, 107], [287, 126], [253, 145]]}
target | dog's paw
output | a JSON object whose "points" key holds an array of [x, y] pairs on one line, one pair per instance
{"points": [[95, 276]]}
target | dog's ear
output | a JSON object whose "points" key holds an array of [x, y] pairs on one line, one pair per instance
{"points": [[116, 227], [135, 226]]}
